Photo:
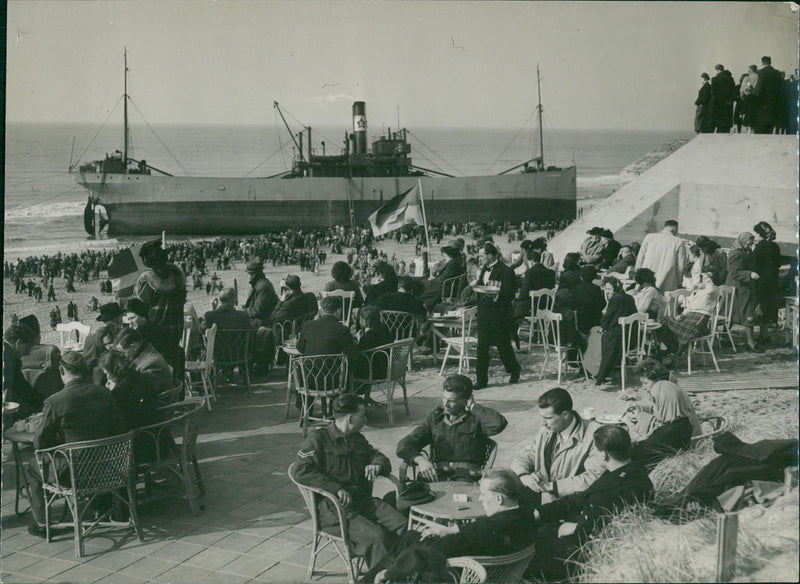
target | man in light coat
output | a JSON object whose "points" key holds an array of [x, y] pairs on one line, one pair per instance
{"points": [[561, 459], [666, 255]]}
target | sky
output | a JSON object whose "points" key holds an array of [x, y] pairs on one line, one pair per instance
{"points": [[625, 65]]}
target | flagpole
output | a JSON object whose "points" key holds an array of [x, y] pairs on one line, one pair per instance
{"points": [[424, 220]]}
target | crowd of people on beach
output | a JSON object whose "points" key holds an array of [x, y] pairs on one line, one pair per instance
{"points": [[560, 489], [764, 101]]}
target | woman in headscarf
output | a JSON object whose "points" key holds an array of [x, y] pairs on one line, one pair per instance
{"points": [[742, 275], [677, 331], [672, 423], [767, 263]]}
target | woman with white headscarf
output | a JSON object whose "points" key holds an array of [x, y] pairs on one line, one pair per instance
{"points": [[671, 424]]}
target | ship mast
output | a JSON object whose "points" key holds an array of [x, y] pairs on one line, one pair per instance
{"points": [[541, 135], [125, 117]]}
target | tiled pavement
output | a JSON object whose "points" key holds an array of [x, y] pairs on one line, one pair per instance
{"points": [[255, 527]]}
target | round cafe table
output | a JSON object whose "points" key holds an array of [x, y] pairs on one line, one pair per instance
{"points": [[444, 509]]}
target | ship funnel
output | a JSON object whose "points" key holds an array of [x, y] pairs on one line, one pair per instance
{"points": [[360, 126]]}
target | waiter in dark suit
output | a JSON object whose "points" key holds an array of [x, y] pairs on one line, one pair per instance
{"points": [[495, 315]]}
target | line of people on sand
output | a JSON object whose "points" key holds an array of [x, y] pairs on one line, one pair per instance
{"points": [[762, 102], [562, 486]]}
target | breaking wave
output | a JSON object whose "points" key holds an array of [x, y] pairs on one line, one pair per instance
{"points": [[46, 211], [607, 180]]}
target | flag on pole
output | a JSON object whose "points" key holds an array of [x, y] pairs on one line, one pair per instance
{"points": [[124, 270], [398, 211]]}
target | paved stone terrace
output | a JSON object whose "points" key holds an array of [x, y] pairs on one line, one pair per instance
{"points": [[255, 526]]}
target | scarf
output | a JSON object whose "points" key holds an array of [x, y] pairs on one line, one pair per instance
{"points": [[741, 241]]}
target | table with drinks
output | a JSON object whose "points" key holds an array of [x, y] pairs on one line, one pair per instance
{"points": [[455, 502]]}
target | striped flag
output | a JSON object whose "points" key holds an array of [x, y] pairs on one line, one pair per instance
{"points": [[398, 211], [124, 270]]}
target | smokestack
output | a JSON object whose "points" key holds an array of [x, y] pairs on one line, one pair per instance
{"points": [[360, 126]]}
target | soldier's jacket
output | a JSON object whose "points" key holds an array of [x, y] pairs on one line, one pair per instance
{"points": [[329, 460]]}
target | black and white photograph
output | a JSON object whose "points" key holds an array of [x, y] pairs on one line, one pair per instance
{"points": [[400, 292]]}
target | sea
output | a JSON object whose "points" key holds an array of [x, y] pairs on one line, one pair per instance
{"points": [[44, 204]]}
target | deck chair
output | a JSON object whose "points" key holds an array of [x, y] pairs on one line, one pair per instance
{"points": [[66, 330], [462, 343], [551, 321], [727, 295], [507, 569], [204, 368], [696, 344], [338, 536], [318, 379], [634, 330], [540, 299], [394, 358], [94, 467], [347, 304]]}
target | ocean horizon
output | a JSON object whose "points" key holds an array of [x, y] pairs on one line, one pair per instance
{"points": [[44, 204]]}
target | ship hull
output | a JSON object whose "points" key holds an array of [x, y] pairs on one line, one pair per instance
{"points": [[148, 204]]}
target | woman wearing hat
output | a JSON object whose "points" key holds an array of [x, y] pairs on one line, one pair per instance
{"points": [[767, 261], [742, 275]]}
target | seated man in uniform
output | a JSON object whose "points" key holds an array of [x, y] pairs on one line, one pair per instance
{"points": [[561, 459], [339, 459], [571, 520], [457, 432]]}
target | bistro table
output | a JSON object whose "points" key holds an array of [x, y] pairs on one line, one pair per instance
{"points": [[20, 438], [444, 509]]}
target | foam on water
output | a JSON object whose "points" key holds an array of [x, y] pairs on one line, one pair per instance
{"points": [[45, 211]]}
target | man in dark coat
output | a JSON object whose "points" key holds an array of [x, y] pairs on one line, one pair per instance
{"points": [[293, 301], [339, 460], [703, 102], [537, 277], [495, 316], [326, 335], [17, 342], [453, 268], [723, 92], [146, 359], [769, 98], [403, 300], [225, 315], [40, 366], [610, 251], [569, 521], [80, 411], [262, 298]]}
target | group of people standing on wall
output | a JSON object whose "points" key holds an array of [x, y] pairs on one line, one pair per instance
{"points": [[764, 101]]}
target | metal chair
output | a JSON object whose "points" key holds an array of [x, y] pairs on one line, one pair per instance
{"points": [[461, 343], [93, 467], [340, 539], [171, 449], [543, 299], [232, 348], [727, 295], [489, 454], [65, 331], [708, 339], [347, 303], [317, 378], [394, 358], [451, 288], [204, 368], [551, 336], [467, 570], [637, 321], [508, 568]]}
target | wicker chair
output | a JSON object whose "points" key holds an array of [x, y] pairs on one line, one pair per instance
{"points": [[94, 467], [204, 368], [466, 570], [340, 540], [233, 349], [317, 378], [394, 356], [171, 396], [506, 569], [488, 460], [175, 457]]}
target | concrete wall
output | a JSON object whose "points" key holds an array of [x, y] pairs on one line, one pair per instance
{"points": [[716, 185]]}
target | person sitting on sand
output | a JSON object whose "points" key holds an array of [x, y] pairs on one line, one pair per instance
{"points": [[670, 423]]}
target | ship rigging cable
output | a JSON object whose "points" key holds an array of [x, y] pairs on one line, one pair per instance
{"points": [[410, 133], [103, 125], [97, 114], [159, 138], [510, 143]]}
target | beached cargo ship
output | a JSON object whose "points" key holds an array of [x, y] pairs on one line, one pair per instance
{"points": [[134, 198]]}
